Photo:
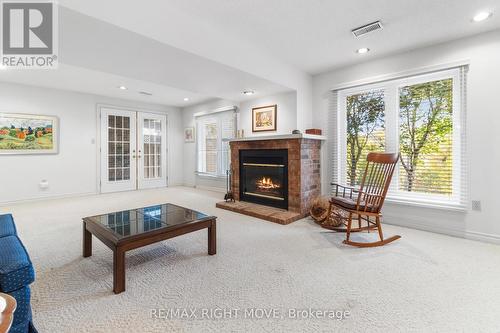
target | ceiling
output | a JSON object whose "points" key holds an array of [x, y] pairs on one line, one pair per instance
{"points": [[84, 80], [311, 35], [97, 57], [216, 49]]}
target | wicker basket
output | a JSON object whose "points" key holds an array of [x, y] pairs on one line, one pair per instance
{"points": [[319, 212]]}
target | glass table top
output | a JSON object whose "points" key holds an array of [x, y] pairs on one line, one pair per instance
{"points": [[141, 220]]}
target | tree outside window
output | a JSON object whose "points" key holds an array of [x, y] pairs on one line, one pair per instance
{"points": [[365, 131], [425, 139]]}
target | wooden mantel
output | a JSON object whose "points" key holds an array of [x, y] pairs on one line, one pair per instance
{"points": [[281, 137]]}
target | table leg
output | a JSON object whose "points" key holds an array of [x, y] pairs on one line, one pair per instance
{"points": [[212, 239], [118, 270], [87, 242]]}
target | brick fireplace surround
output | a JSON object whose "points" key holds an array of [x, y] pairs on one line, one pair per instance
{"points": [[304, 183]]}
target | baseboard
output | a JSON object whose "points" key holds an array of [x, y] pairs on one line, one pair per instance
{"points": [[417, 224], [484, 237], [211, 188], [49, 197], [64, 196]]}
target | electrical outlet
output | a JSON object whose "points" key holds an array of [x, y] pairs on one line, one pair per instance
{"points": [[44, 184], [476, 205]]}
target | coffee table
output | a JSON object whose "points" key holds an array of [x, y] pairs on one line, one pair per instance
{"points": [[130, 229]]}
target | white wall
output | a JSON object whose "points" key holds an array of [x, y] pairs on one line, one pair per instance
{"points": [[189, 157], [483, 117], [73, 171], [286, 114], [287, 121]]}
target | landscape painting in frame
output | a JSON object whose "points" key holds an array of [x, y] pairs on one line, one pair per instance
{"points": [[28, 134], [264, 118]]}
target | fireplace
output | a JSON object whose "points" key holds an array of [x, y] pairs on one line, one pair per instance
{"points": [[264, 177], [282, 171]]}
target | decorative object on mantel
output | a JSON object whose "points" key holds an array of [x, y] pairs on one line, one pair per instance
{"points": [[365, 203], [264, 118], [229, 193], [314, 131], [28, 134], [296, 132], [189, 134], [240, 134]]}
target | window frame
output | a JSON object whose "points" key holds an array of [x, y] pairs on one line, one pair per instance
{"points": [[218, 118], [391, 89]]}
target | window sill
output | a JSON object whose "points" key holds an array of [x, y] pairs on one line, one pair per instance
{"points": [[448, 206]]}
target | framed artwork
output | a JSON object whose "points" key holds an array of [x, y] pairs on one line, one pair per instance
{"points": [[264, 118], [189, 134], [28, 134]]}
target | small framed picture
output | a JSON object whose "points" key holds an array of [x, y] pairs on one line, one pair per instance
{"points": [[189, 134], [28, 134], [264, 118]]}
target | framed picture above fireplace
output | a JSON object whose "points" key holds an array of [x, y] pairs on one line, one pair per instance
{"points": [[264, 118]]}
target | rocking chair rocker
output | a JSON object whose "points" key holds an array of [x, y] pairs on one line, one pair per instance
{"points": [[364, 203]]}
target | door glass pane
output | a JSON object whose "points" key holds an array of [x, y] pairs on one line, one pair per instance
{"points": [[152, 148], [118, 148]]}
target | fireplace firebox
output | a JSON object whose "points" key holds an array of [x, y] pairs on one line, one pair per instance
{"points": [[264, 177]]}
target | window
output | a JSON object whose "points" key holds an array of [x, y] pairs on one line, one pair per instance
{"points": [[213, 134], [419, 116], [364, 131]]}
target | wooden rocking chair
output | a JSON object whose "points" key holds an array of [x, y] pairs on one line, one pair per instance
{"points": [[365, 203]]}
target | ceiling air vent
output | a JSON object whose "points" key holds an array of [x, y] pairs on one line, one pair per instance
{"points": [[367, 28], [145, 93]]}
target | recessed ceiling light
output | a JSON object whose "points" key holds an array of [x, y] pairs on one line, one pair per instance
{"points": [[122, 87], [248, 92], [186, 99], [481, 16], [363, 50]]}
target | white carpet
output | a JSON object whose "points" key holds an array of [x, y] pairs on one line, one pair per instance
{"points": [[423, 282]]}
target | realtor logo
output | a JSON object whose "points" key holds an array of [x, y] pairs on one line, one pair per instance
{"points": [[28, 34]]}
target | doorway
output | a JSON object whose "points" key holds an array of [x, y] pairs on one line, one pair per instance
{"points": [[133, 150]]}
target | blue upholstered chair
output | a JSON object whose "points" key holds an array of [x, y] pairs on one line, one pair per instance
{"points": [[16, 274]]}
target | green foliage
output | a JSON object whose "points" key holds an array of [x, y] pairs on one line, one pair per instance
{"points": [[13, 133], [426, 127], [365, 131], [30, 138]]}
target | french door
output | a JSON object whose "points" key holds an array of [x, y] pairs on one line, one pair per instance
{"points": [[133, 150]]}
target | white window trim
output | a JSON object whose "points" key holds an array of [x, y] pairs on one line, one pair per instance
{"points": [[391, 116], [209, 117]]}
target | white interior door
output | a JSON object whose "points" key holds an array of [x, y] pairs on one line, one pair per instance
{"points": [[152, 150], [118, 150]]}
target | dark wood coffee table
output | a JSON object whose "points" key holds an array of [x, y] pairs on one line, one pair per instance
{"points": [[131, 229]]}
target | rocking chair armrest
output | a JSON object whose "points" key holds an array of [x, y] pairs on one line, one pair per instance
{"points": [[343, 189]]}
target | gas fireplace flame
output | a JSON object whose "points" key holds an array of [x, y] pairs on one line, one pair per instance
{"points": [[267, 183]]}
